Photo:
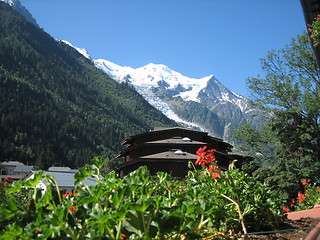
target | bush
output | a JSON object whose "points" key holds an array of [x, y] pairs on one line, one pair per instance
{"points": [[141, 206]]}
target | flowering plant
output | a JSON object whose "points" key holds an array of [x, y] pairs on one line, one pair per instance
{"points": [[314, 31], [305, 199], [140, 206]]}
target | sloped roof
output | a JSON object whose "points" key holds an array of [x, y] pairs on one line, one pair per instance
{"points": [[172, 154], [66, 179], [172, 129], [176, 141], [161, 130], [12, 163], [61, 169], [172, 141], [23, 169]]}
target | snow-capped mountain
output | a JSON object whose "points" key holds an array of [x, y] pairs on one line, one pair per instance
{"points": [[156, 75], [160, 76], [16, 4], [82, 51], [182, 98], [203, 103]]}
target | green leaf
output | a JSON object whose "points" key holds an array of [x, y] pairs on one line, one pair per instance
{"points": [[32, 182], [8, 210]]}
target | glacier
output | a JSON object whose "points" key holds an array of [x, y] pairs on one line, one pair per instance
{"points": [[161, 86]]}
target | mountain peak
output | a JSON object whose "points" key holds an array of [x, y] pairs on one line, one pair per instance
{"points": [[11, 2], [157, 67], [182, 98], [16, 4]]}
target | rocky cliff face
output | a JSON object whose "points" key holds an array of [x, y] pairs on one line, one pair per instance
{"points": [[203, 103]]}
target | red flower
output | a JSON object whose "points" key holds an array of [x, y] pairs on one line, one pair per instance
{"points": [[304, 182], [123, 236], [205, 157], [293, 203], [216, 174], [212, 168], [67, 194], [37, 230], [285, 209], [309, 29], [72, 209], [301, 197]]}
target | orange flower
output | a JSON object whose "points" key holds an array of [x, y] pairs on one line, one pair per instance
{"points": [[212, 168], [216, 174], [305, 182], [67, 194], [205, 157], [285, 209], [72, 209], [293, 203], [123, 236], [301, 197]]}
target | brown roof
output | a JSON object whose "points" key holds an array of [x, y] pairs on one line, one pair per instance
{"points": [[161, 130], [172, 154], [152, 132], [176, 141]]}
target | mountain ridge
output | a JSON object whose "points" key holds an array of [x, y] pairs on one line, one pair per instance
{"points": [[16, 4], [168, 86], [182, 98], [56, 106]]}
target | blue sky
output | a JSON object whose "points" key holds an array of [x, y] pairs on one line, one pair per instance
{"points": [[194, 37]]}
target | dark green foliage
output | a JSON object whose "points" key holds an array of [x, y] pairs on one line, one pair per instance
{"points": [[290, 95], [55, 103], [140, 205]]}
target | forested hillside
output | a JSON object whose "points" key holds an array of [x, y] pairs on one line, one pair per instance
{"points": [[56, 107]]}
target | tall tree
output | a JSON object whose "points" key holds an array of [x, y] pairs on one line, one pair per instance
{"points": [[289, 94]]}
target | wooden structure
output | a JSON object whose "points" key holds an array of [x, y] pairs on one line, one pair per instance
{"points": [[311, 9], [171, 149]]}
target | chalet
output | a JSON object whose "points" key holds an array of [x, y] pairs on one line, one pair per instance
{"points": [[65, 180], [13, 170], [171, 149]]}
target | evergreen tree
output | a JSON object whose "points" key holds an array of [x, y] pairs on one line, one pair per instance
{"points": [[289, 94], [42, 162], [54, 100]]}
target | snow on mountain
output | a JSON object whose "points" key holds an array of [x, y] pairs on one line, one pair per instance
{"points": [[218, 93], [16, 4], [154, 75], [11, 2], [82, 51], [158, 75], [143, 80], [181, 98]]}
